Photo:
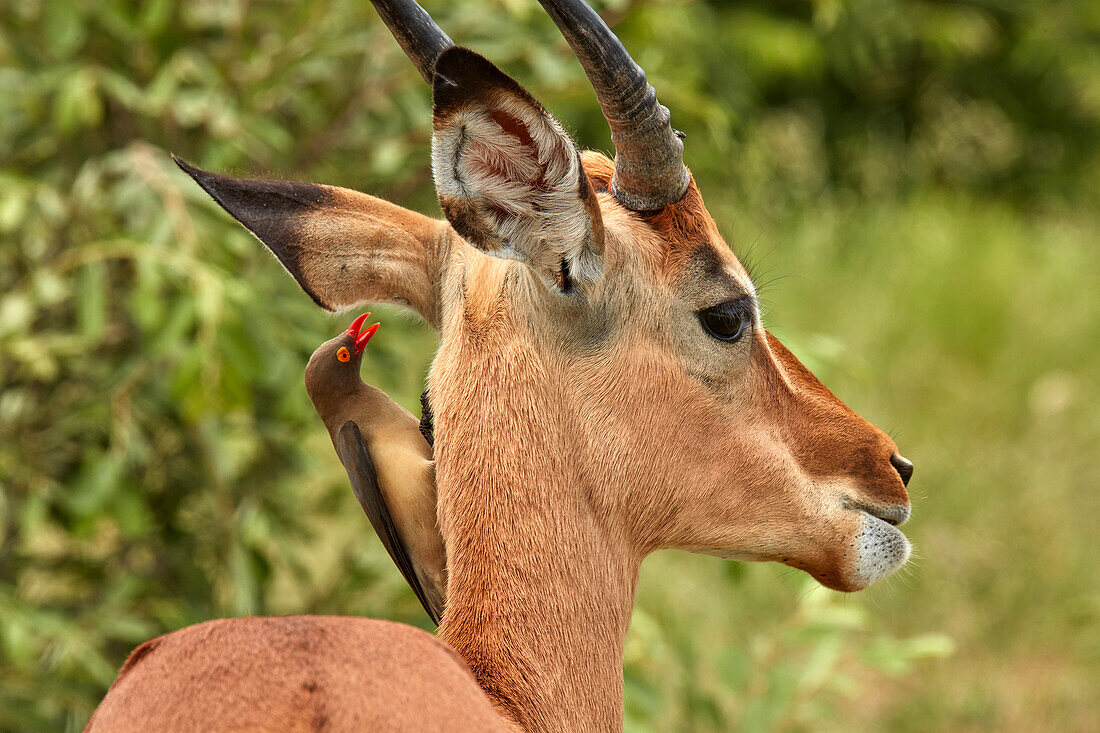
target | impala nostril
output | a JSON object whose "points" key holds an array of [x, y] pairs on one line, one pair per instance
{"points": [[903, 467]]}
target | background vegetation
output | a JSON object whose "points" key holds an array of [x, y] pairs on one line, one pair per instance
{"points": [[914, 183]]}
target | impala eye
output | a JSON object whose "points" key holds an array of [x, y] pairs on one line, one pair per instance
{"points": [[727, 321], [343, 354]]}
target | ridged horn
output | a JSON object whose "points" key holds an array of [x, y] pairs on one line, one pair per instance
{"points": [[649, 156], [416, 32]]}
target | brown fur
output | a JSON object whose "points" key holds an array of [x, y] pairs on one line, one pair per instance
{"points": [[295, 673], [576, 433], [343, 247]]}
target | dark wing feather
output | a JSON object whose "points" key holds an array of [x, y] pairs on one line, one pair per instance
{"points": [[357, 461], [426, 418]]}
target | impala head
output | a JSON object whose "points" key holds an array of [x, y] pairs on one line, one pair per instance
{"points": [[598, 301]]}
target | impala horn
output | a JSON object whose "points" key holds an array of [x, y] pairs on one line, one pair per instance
{"points": [[416, 32], [649, 156]]}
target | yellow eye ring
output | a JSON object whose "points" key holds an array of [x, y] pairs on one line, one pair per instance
{"points": [[343, 354]]}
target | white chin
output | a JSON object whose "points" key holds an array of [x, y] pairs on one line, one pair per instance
{"points": [[881, 548]]}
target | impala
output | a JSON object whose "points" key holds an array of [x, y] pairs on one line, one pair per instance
{"points": [[603, 388]]}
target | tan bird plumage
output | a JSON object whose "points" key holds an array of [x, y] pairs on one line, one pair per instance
{"points": [[393, 475]]}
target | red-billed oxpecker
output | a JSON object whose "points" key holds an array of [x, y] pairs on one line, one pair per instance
{"points": [[387, 459]]}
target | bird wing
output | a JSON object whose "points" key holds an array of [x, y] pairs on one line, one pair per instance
{"points": [[357, 461]]}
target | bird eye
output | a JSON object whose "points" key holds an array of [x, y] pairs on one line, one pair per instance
{"points": [[343, 354], [726, 322]]}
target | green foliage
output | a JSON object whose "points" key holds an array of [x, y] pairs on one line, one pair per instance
{"points": [[789, 677], [927, 170]]}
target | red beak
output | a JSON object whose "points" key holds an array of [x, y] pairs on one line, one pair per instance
{"points": [[353, 330], [361, 339]]}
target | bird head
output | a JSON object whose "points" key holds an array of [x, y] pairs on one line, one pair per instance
{"points": [[334, 366]]}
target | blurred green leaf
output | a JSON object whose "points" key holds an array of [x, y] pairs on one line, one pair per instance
{"points": [[63, 26], [92, 300], [78, 104]]}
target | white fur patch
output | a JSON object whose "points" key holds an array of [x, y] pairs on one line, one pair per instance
{"points": [[881, 549]]}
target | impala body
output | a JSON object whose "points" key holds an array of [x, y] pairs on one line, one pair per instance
{"points": [[603, 388]]}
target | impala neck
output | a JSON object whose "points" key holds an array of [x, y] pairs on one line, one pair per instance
{"points": [[545, 640], [540, 591]]}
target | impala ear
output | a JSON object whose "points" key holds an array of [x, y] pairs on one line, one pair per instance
{"points": [[343, 247], [509, 178]]}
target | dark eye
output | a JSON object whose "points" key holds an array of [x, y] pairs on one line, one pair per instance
{"points": [[726, 322]]}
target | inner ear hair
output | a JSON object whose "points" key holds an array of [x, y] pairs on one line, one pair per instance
{"points": [[508, 176]]}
